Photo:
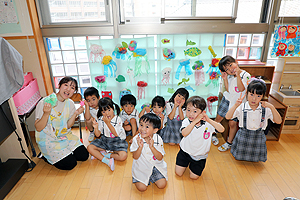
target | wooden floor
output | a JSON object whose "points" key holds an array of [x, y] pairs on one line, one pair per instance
{"points": [[223, 178]]}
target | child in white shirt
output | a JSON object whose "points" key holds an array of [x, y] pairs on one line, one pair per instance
{"points": [[148, 151], [195, 144]]}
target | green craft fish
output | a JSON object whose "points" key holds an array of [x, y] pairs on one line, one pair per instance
{"points": [[171, 90], [190, 42], [120, 78], [193, 51]]}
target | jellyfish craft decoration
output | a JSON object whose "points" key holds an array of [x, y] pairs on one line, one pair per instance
{"points": [[141, 89], [168, 54], [213, 72], [101, 83], [120, 52], [96, 54], [210, 100], [108, 62], [166, 75], [186, 64], [199, 73], [130, 74]]}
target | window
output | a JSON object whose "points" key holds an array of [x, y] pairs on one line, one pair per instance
{"points": [[289, 8], [249, 11]]}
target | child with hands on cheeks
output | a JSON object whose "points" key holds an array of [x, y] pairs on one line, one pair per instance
{"points": [[148, 151], [235, 82], [175, 110], [250, 141], [195, 144], [91, 96], [113, 136], [53, 123]]}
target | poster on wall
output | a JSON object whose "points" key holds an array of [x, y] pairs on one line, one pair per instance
{"points": [[286, 41], [9, 21]]}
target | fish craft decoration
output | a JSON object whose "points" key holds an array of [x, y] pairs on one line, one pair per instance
{"points": [[190, 42], [165, 41], [193, 51]]}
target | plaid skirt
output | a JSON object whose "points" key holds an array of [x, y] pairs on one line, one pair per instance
{"points": [[155, 176], [111, 144], [249, 145], [171, 132], [223, 108]]}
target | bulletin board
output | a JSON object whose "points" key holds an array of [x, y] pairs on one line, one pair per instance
{"points": [[9, 17], [158, 65], [286, 41]]}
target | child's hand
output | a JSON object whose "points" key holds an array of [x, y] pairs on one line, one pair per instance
{"points": [[105, 119], [204, 116], [161, 116], [86, 104], [79, 110], [47, 108], [239, 101], [266, 104], [126, 122], [147, 109], [181, 104], [176, 104], [140, 142], [237, 71], [224, 75], [95, 123]]}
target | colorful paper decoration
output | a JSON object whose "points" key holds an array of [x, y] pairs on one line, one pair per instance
{"points": [[189, 88], [101, 83], [199, 73], [120, 51], [124, 92], [106, 94], [171, 90], [193, 51], [168, 54], [190, 42], [166, 75], [186, 64], [130, 74], [120, 78], [213, 71], [210, 100], [52, 99], [141, 89], [165, 41], [96, 54], [183, 81], [108, 62]]}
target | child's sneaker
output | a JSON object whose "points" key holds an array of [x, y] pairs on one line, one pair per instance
{"points": [[91, 136], [215, 140], [109, 162], [224, 147]]}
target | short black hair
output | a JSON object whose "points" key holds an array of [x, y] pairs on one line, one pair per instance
{"points": [[67, 79], [158, 100], [128, 99], [197, 102], [257, 86], [152, 119], [105, 104], [90, 91], [225, 61], [183, 92]]}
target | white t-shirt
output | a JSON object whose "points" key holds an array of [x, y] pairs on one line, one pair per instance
{"points": [[135, 114], [198, 142], [233, 92], [169, 108], [93, 113], [116, 122], [253, 117], [142, 167]]}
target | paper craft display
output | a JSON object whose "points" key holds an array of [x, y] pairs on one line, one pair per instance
{"points": [[168, 54], [165, 41], [166, 75], [190, 42], [120, 51], [190, 88], [96, 54], [193, 51], [199, 73], [171, 90], [213, 71], [52, 99], [101, 83], [124, 92], [210, 100], [286, 41], [120, 78], [186, 64], [108, 62], [106, 94], [141, 89], [183, 81], [130, 74]]}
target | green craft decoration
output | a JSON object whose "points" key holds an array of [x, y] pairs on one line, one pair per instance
{"points": [[184, 81], [52, 99], [120, 78], [171, 90], [193, 51], [190, 42], [124, 44]]}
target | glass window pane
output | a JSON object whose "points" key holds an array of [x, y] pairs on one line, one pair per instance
{"points": [[255, 53], [230, 51], [93, 37], [179, 8], [83, 69], [55, 57], [77, 11], [214, 8], [66, 43], [289, 8], [71, 69], [245, 40], [85, 81], [243, 53], [58, 70], [53, 44], [257, 40], [137, 8], [232, 39], [80, 43], [81, 56], [107, 37], [68, 56], [56, 81], [248, 11]]}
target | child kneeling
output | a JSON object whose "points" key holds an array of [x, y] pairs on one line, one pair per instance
{"points": [[196, 130], [148, 151]]}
